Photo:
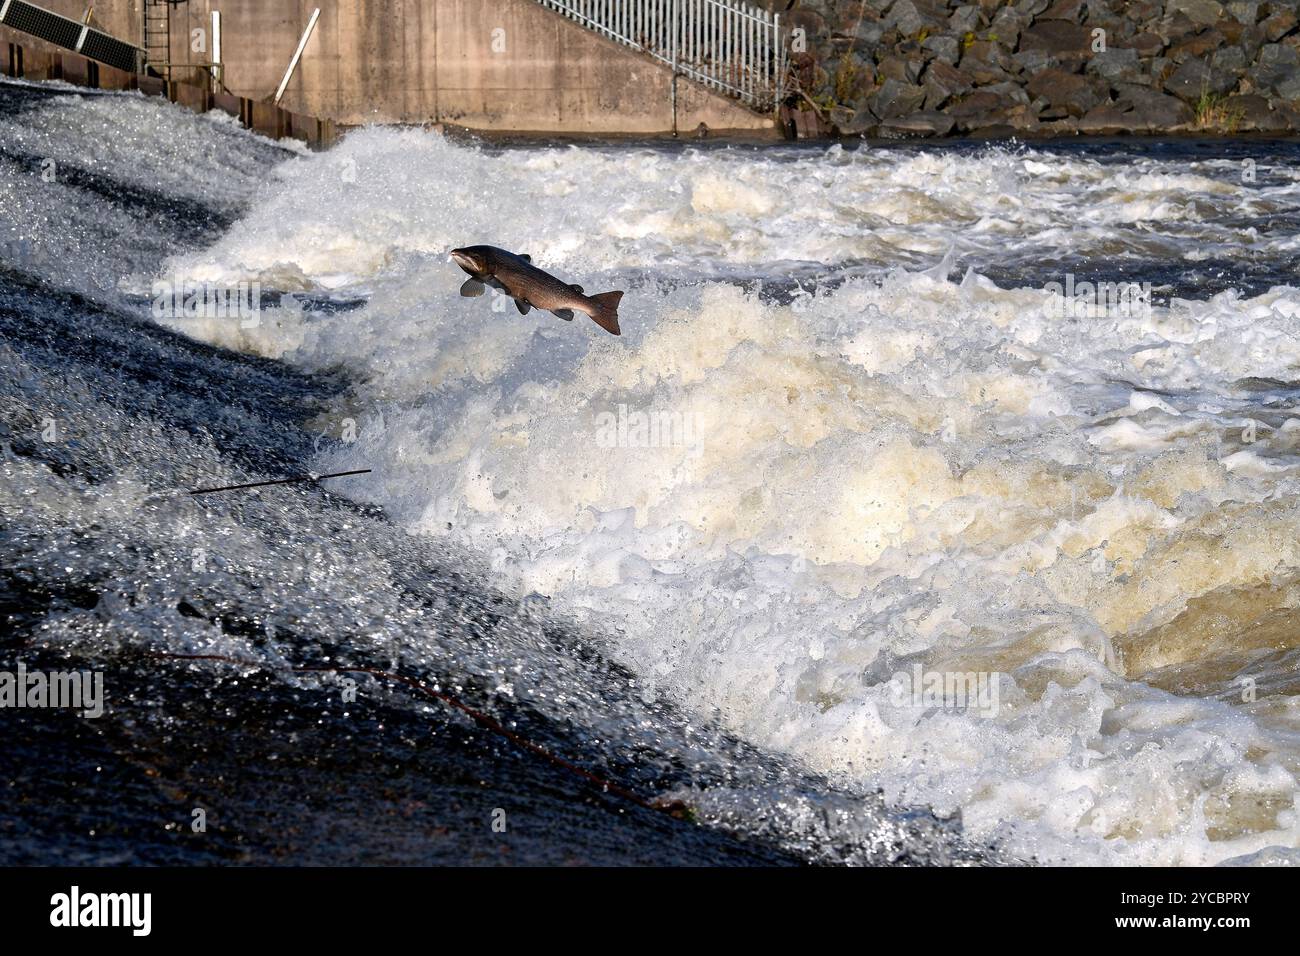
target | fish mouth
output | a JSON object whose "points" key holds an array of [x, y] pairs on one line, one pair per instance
{"points": [[465, 261]]}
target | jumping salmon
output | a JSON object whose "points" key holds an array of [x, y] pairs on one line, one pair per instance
{"points": [[530, 287]]}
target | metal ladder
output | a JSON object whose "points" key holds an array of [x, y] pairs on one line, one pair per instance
{"points": [[158, 36]]}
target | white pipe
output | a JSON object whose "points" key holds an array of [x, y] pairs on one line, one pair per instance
{"points": [[672, 40], [297, 55], [85, 29], [216, 51]]}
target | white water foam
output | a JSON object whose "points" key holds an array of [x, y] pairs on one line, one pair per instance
{"points": [[773, 509]]}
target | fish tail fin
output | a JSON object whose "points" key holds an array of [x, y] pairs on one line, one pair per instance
{"points": [[606, 312]]}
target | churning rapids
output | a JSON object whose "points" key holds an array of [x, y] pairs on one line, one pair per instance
{"points": [[848, 437]]}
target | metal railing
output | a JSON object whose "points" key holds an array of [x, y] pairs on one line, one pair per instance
{"points": [[726, 45]]}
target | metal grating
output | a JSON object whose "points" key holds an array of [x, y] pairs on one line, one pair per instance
{"points": [[110, 50], [41, 23], [93, 44]]}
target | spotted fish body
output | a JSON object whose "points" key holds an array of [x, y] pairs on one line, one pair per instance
{"points": [[531, 287]]}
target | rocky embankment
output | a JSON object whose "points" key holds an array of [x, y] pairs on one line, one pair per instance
{"points": [[896, 68]]}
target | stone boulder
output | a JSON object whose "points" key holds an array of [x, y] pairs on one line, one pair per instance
{"points": [[1139, 11], [910, 17], [1006, 26], [1198, 45], [862, 121], [1001, 123], [923, 123], [1252, 114], [1194, 79], [1278, 24], [1147, 44], [965, 19], [977, 104], [811, 22], [985, 63], [1073, 93], [899, 68], [1153, 111], [1174, 27], [1059, 38], [1229, 61], [1201, 12], [1116, 65], [1244, 11], [1278, 69], [1106, 119], [1010, 93], [942, 82], [869, 36], [944, 48], [894, 99], [1064, 10], [1006, 67]]}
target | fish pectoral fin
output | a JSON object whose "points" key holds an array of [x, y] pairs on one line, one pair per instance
{"points": [[565, 314], [471, 288], [576, 288], [523, 305]]}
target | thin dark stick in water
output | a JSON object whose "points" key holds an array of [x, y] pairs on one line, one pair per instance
{"points": [[280, 481]]}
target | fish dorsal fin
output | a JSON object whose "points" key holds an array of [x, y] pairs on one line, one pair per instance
{"points": [[526, 258], [576, 288], [523, 306]]}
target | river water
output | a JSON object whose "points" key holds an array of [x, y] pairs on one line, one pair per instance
{"points": [[853, 443]]}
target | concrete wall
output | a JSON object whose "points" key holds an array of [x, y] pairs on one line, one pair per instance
{"points": [[420, 61]]}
